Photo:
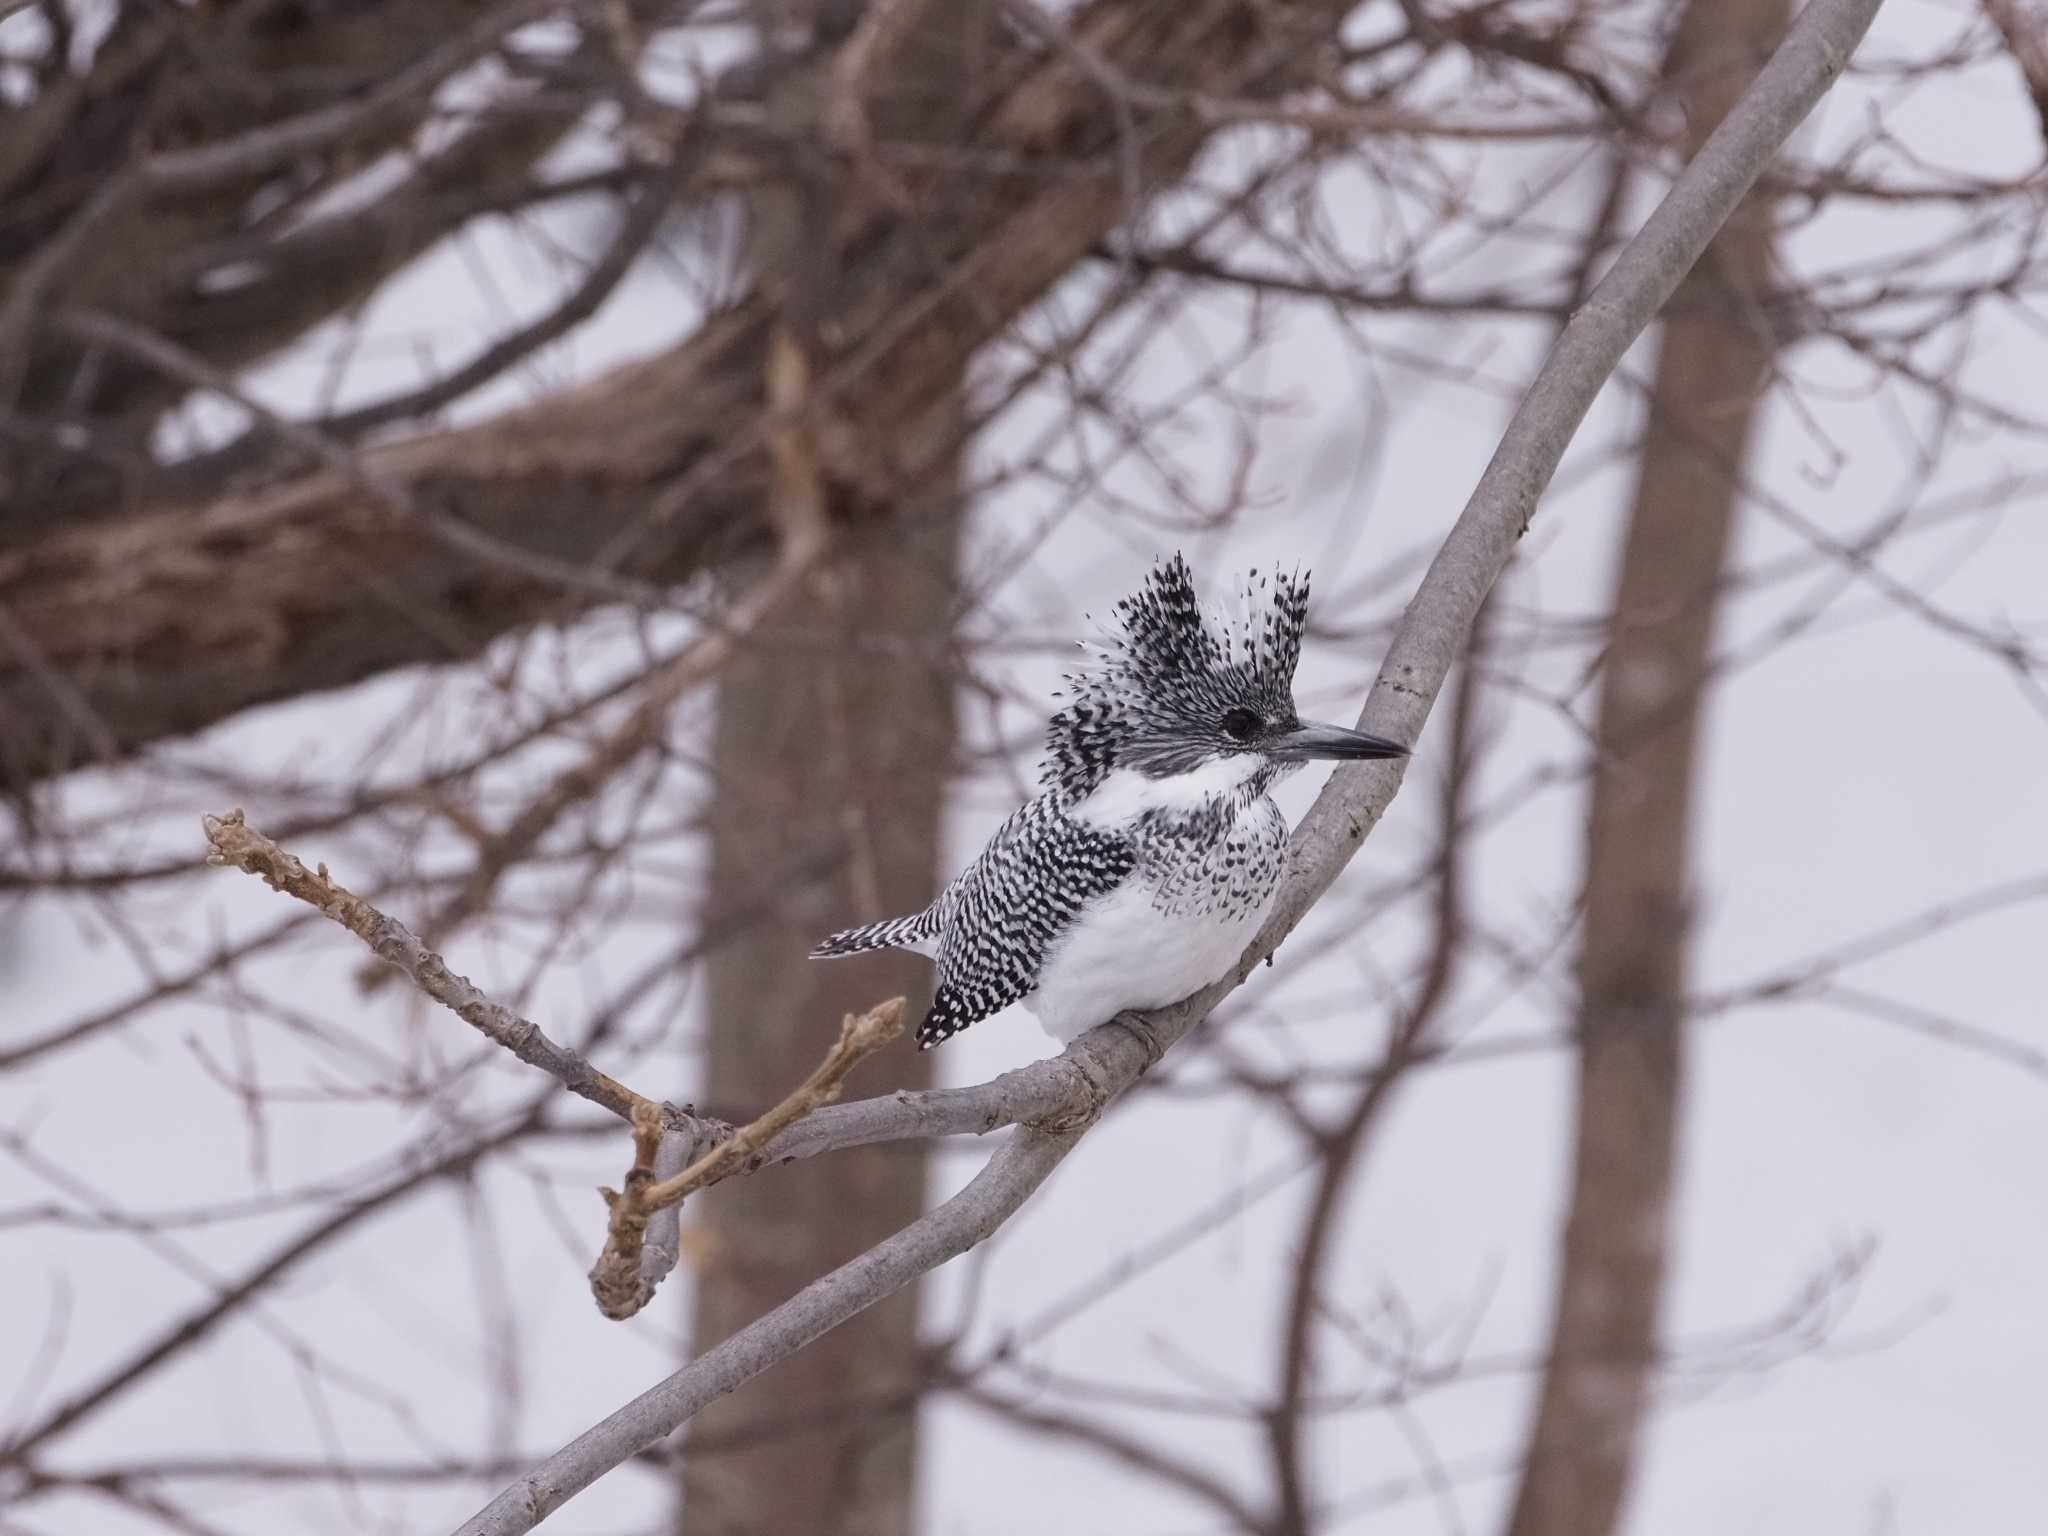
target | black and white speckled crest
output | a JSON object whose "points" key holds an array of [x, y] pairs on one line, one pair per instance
{"points": [[1156, 697]]}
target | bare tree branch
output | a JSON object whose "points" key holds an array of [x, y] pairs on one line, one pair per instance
{"points": [[1045, 1091], [236, 843], [231, 1296]]}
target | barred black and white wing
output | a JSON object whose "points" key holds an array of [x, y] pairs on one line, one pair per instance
{"points": [[1003, 914]]}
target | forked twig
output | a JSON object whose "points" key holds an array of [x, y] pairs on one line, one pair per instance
{"points": [[617, 1280]]}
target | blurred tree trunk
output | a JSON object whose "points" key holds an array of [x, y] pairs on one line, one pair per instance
{"points": [[815, 747], [849, 743], [1712, 362]]}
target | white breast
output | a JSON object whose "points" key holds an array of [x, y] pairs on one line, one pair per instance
{"points": [[1126, 951], [1199, 893]]}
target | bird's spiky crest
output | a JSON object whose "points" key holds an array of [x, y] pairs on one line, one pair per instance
{"points": [[1153, 693]]}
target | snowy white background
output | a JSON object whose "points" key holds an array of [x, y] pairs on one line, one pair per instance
{"points": [[1870, 769]]}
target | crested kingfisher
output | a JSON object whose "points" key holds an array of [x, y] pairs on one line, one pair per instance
{"points": [[1154, 850]]}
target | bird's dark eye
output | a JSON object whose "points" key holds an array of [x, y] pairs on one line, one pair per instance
{"points": [[1240, 725]]}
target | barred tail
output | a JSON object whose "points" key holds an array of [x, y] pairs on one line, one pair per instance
{"points": [[913, 932]]}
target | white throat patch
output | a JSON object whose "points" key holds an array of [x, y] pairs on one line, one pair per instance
{"points": [[1126, 794]]}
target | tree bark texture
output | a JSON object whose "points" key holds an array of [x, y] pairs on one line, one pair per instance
{"points": [[849, 744], [813, 749], [1712, 362]]}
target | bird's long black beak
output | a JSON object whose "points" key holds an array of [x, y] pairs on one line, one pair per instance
{"points": [[1312, 740]]}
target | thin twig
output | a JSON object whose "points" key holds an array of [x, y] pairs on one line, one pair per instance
{"points": [[63, 692], [1050, 1091], [641, 728], [618, 1279], [1116, 87], [185, 366], [236, 843], [625, 1275]]}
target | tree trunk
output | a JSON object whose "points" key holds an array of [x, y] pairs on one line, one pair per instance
{"points": [[1711, 365], [814, 747], [849, 745]]}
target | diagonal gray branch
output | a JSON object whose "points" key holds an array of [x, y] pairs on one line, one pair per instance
{"points": [[1432, 633]]}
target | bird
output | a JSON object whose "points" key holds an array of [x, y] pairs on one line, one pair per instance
{"points": [[1153, 851]]}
